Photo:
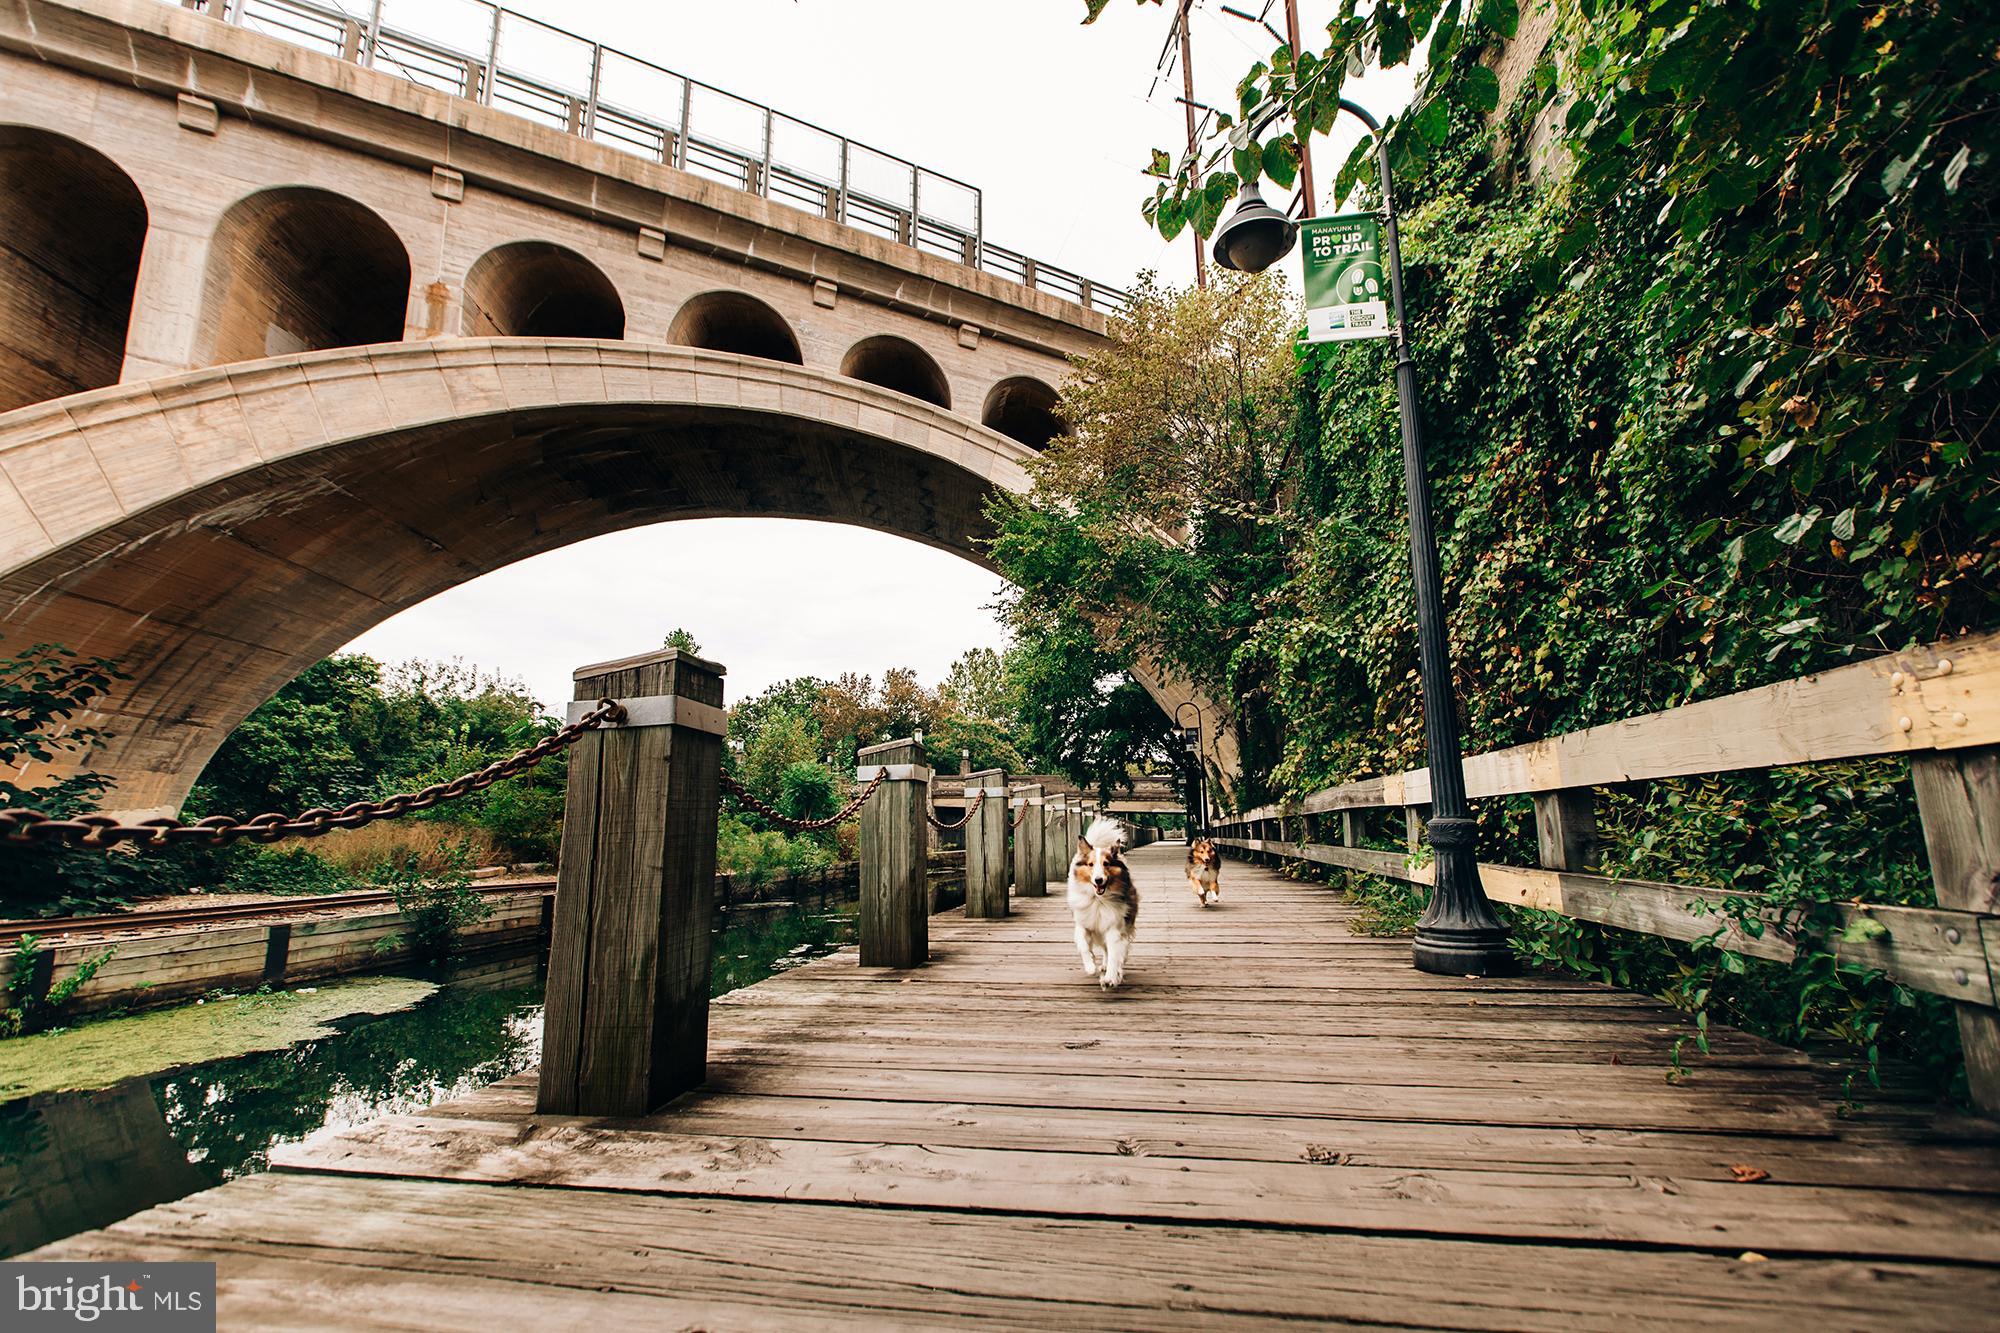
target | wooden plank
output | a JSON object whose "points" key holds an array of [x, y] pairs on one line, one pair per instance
{"points": [[894, 924], [1972, 1168], [445, 1256], [1693, 1213], [1948, 694], [1958, 797]]}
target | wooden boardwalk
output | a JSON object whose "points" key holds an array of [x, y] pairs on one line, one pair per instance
{"points": [[1277, 1120]]}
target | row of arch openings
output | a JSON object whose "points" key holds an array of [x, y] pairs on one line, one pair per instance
{"points": [[296, 269]]}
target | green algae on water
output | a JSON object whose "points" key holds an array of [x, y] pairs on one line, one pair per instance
{"points": [[101, 1054]]}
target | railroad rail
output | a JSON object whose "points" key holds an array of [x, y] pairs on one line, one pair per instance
{"points": [[67, 928]]}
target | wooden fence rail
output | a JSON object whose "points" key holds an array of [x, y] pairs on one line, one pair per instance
{"points": [[1939, 705]]}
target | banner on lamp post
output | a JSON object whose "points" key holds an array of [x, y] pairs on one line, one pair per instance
{"points": [[1347, 293]]}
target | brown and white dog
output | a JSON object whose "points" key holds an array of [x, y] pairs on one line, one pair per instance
{"points": [[1104, 901], [1204, 871]]}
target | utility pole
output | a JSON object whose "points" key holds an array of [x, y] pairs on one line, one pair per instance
{"points": [[1305, 138], [1187, 103]]}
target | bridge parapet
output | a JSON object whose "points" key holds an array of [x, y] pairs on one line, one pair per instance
{"points": [[182, 192]]}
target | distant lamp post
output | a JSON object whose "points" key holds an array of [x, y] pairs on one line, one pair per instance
{"points": [[1458, 934], [1190, 738]]}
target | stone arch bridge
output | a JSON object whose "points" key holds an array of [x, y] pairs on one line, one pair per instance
{"points": [[288, 345]]}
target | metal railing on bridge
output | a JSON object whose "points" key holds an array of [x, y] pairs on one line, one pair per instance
{"points": [[535, 70]]}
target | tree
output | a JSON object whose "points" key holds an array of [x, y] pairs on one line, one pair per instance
{"points": [[682, 641], [42, 690], [1161, 526]]}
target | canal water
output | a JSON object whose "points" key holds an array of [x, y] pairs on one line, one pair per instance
{"points": [[86, 1148]]}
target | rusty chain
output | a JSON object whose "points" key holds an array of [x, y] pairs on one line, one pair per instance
{"points": [[33, 826], [743, 794], [930, 813]]}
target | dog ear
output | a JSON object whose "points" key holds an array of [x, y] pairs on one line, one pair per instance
{"points": [[1083, 847]]}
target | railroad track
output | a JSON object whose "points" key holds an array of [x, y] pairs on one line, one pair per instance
{"points": [[235, 913]]}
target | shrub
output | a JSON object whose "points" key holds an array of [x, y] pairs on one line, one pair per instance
{"points": [[35, 1007], [287, 871], [436, 903]]}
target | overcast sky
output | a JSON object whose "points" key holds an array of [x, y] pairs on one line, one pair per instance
{"points": [[1052, 121]]}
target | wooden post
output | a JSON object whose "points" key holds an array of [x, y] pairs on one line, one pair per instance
{"points": [[1566, 829], [986, 844], [1958, 797], [625, 1027], [1413, 828], [1349, 834], [895, 853], [1055, 840], [1030, 856]]}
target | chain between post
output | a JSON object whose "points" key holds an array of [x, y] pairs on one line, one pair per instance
{"points": [[930, 813], [743, 794], [34, 826]]}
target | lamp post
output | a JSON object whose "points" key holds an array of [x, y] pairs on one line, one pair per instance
{"points": [[1190, 738], [1458, 934]]}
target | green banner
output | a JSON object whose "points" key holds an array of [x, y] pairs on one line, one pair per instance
{"points": [[1347, 293]]}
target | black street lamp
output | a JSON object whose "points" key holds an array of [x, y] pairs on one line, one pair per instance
{"points": [[1458, 934], [1191, 774]]}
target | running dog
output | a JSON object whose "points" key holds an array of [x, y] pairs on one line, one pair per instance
{"points": [[1204, 871], [1104, 901]]}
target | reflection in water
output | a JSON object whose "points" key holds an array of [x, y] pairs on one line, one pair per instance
{"points": [[73, 1161]]}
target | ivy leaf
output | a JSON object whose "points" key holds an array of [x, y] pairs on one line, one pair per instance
{"points": [[1444, 41], [1793, 529], [1791, 627], [1899, 171], [1248, 162], [1392, 36], [1281, 162], [1433, 122], [1843, 524], [1862, 929], [1481, 89], [1161, 165], [1955, 168], [1170, 217], [1501, 16], [1779, 454]]}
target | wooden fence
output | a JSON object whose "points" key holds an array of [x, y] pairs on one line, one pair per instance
{"points": [[1938, 705]]}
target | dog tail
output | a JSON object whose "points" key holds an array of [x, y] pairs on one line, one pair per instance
{"points": [[1106, 835]]}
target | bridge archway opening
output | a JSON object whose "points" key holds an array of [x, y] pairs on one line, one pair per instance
{"points": [[1025, 409], [298, 269], [72, 228], [899, 364], [534, 289], [735, 322]]}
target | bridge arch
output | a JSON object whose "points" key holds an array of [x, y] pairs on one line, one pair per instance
{"points": [[733, 321], [1025, 409], [536, 289], [72, 229], [295, 268], [899, 364]]}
